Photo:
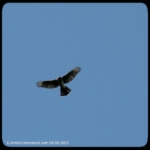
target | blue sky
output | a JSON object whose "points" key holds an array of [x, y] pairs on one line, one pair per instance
{"points": [[108, 104]]}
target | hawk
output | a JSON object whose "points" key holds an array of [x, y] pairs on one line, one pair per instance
{"points": [[60, 81]]}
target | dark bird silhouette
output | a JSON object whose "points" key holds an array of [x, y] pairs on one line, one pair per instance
{"points": [[60, 81]]}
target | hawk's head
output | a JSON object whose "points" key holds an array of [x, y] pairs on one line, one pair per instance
{"points": [[58, 78]]}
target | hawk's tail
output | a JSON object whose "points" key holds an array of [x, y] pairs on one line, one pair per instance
{"points": [[64, 91]]}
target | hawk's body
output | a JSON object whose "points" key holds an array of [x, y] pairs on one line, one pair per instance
{"points": [[60, 81]]}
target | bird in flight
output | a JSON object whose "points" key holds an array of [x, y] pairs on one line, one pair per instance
{"points": [[60, 81]]}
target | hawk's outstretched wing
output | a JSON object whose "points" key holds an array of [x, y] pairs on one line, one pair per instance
{"points": [[71, 75], [48, 84]]}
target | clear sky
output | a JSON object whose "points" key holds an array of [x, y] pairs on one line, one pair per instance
{"points": [[108, 104]]}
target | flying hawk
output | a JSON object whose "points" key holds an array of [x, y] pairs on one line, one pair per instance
{"points": [[60, 81]]}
